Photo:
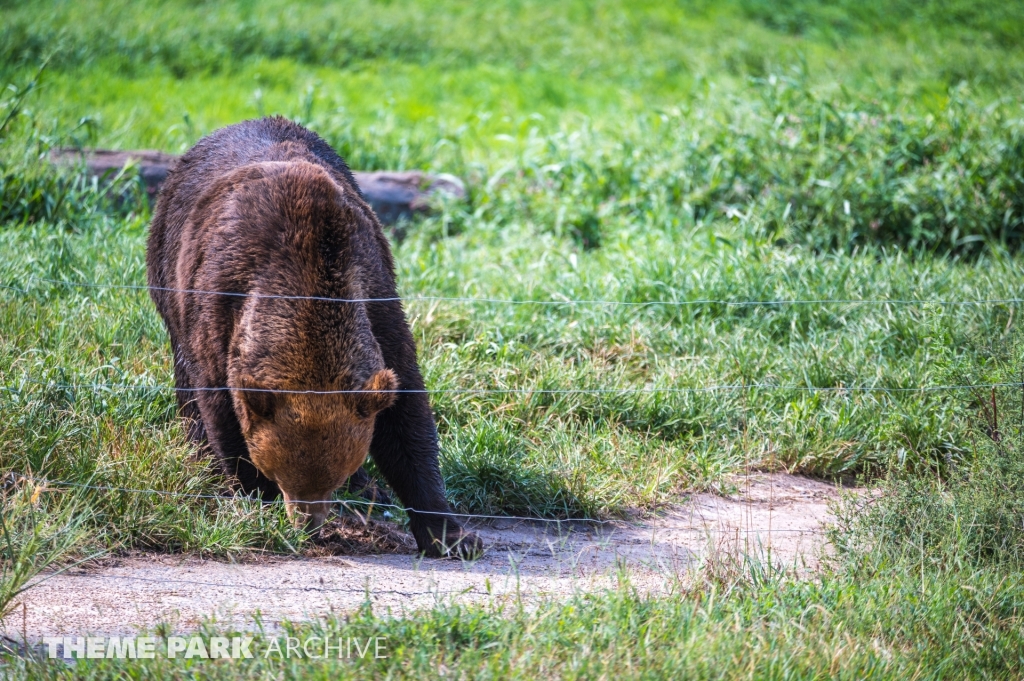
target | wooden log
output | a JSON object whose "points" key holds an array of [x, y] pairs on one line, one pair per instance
{"points": [[393, 195]]}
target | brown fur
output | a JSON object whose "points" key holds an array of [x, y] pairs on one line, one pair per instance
{"points": [[265, 209]]}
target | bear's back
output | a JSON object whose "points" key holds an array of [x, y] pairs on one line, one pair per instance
{"points": [[216, 156], [264, 139]]}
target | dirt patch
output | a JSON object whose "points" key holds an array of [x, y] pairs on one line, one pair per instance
{"points": [[351, 536], [776, 517]]}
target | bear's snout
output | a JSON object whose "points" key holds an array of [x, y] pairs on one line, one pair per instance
{"points": [[308, 514]]}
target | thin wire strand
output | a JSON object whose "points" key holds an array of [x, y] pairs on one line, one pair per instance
{"points": [[342, 502], [14, 288], [257, 588], [264, 588], [550, 302], [524, 391], [372, 504]]}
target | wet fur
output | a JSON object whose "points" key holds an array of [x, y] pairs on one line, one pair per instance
{"points": [[268, 207]]}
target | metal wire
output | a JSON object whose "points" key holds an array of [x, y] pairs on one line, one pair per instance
{"points": [[526, 391], [342, 502], [550, 302], [262, 588], [362, 502], [14, 288]]}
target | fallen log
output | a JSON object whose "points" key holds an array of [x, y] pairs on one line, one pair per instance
{"points": [[393, 195]]}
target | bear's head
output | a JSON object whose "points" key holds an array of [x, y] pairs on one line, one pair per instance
{"points": [[309, 443], [307, 374]]}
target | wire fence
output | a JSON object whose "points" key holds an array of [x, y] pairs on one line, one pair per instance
{"points": [[546, 391], [748, 386], [549, 302], [559, 547], [559, 523], [728, 387], [348, 503], [566, 302], [366, 591]]}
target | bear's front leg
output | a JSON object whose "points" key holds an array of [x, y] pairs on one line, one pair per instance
{"points": [[405, 450], [404, 445], [225, 439]]}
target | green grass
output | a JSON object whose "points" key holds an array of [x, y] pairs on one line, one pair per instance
{"points": [[850, 627], [925, 582], [575, 453], [691, 153], [446, 67]]}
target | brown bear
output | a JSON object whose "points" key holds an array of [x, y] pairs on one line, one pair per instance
{"points": [[292, 355]]}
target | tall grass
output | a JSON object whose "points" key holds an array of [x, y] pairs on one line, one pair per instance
{"points": [[32, 189], [36, 535], [969, 519], [1000, 22], [924, 581], [834, 172]]}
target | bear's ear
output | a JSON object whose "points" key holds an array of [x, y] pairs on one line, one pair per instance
{"points": [[262, 403], [377, 393], [254, 403]]}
